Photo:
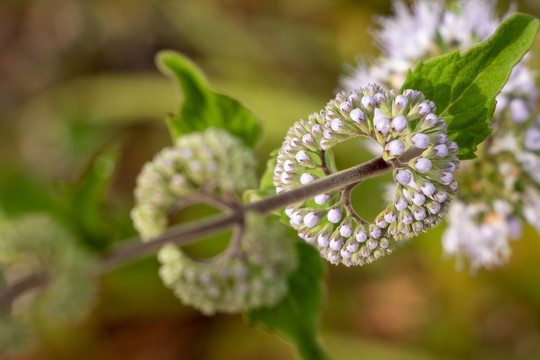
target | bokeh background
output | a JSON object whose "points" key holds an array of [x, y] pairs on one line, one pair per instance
{"points": [[78, 80]]}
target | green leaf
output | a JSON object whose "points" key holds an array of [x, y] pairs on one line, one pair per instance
{"points": [[464, 86], [203, 107], [82, 206], [23, 191], [296, 316]]}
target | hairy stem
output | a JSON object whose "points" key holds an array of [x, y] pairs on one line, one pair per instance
{"points": [[187, 233], [326, 184]]}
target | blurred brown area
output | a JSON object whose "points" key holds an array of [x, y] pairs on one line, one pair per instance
{"points": [[77, 76]]}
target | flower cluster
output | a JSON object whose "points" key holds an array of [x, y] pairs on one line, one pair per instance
{"points": [[251, 275], [489, 227], [507, 170], [253, 271], [35, 244], [210, 160], [413, 139]]}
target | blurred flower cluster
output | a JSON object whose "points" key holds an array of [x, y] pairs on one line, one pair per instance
{"points": [[501, 187]]}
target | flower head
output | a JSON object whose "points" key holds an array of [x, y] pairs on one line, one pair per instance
{"points": [[479, 234], [421, 162]]}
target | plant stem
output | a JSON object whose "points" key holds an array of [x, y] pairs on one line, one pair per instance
{"points": [[184, 234], [29, 282], [339, 180]]}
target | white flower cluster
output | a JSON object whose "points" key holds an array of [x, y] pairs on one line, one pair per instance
{"points": [[253, 271], [413, 138], [490, 229], [511, 156]]}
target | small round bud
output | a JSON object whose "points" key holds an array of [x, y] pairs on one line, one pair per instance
{"points": [[303, 157], [441, 151], [406, 217], [423, 109], [345, 230], [382, 125], [308, 139], [352, 247], [372, 244], [427, 188], [421, 141], [306, 178], [316, 130], [289, 211], [285, 178], [328, 134], [434, 207], [401, 102], [345, 106], [323, 239], [423, 165], [357, 116], [311, 219], [431, 120], [452, 147], [446, 178], [289, 165], [367, 102], [379, 98], [399, 123], [395, 147], [403, 177], [337, 125], [334, 215], [419, 213], [360, 235], [441, 139], [322, 198], [375, 232], [418, 199], [401, 204], [390, 216], [336, 244], [345, 254], [440, 196], [296, 218]]}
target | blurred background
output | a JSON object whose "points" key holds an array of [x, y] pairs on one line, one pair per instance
{"points": [[78, 87]]}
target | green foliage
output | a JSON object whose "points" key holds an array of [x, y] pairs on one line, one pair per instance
{"points": [[80, 206], [296, 316], [83, 204], [203, 107], [464, 86], [23, 191]]}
